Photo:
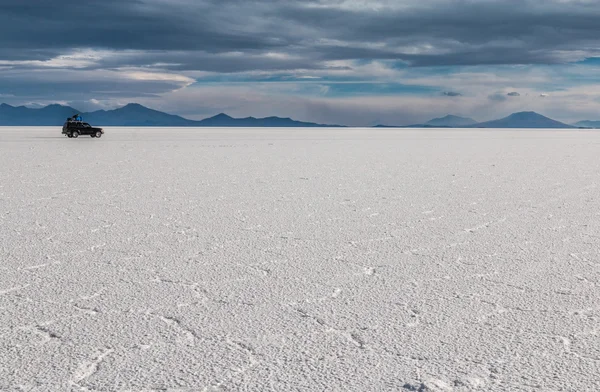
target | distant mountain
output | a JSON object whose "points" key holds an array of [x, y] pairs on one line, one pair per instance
{"points": [[134, 114], [411, 126], [24, 116], [515, 120], [523, 120], [223, 120], [451, 121], [588, 124], [448, 121]]}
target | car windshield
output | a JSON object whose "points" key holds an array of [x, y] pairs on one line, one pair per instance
{"points": [[86, 125]]}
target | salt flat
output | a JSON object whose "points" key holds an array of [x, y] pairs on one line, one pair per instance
{"points": [[300, 259]]}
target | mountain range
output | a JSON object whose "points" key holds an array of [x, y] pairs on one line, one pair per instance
{"points": [[523, 120], [515, 120], [588, 124], [451, 121], [134, 114]]}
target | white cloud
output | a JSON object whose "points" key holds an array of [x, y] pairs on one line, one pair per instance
{"points": [[157, 76]]}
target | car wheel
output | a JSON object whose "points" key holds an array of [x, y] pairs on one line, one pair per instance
{"points": [[98, 134], [69, 135], [93, 135], [75, 134]]}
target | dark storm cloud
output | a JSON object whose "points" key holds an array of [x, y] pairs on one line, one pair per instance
{"points": [[179, 52], [458, 32], [514, 94], [55, 26], [464, 32]]}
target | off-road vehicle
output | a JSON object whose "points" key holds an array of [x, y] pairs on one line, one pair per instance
{"points": [[74, 128]]}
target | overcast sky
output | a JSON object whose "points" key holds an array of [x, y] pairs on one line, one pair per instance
{"points": [[352, 62]]}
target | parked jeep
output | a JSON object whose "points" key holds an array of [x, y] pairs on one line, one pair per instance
{"points": [[73, 127]]}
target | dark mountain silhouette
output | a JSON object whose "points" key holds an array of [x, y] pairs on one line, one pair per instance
{"points": [[588, 124], [223, 120], [24, 116], [451, 121], [448, 121], [218, 120], [137, 115], [523, 120], [515, 120], [134, 114], [411, 126]]}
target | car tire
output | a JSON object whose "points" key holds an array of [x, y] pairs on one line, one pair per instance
{"points": [[92, 135], [69, 135], [98, 134], [75, 134]]}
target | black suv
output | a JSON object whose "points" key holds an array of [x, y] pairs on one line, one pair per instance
{"points": [[73, 128]]}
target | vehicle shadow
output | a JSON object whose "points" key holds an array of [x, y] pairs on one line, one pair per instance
{"points": [[59, 137]]}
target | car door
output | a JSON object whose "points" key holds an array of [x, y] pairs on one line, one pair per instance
{"points": [[86, 129]]}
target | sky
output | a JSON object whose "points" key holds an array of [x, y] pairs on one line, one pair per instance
{"points": [[350, 62]]}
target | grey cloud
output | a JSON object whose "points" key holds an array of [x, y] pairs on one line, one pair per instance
{"points": [[68, 86], [513, 94], [459, 32], [145, 25], [210, 62], [274, 35], [497, 97]]}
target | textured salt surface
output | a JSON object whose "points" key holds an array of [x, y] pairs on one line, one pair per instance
{"points": [[257, 260]]}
